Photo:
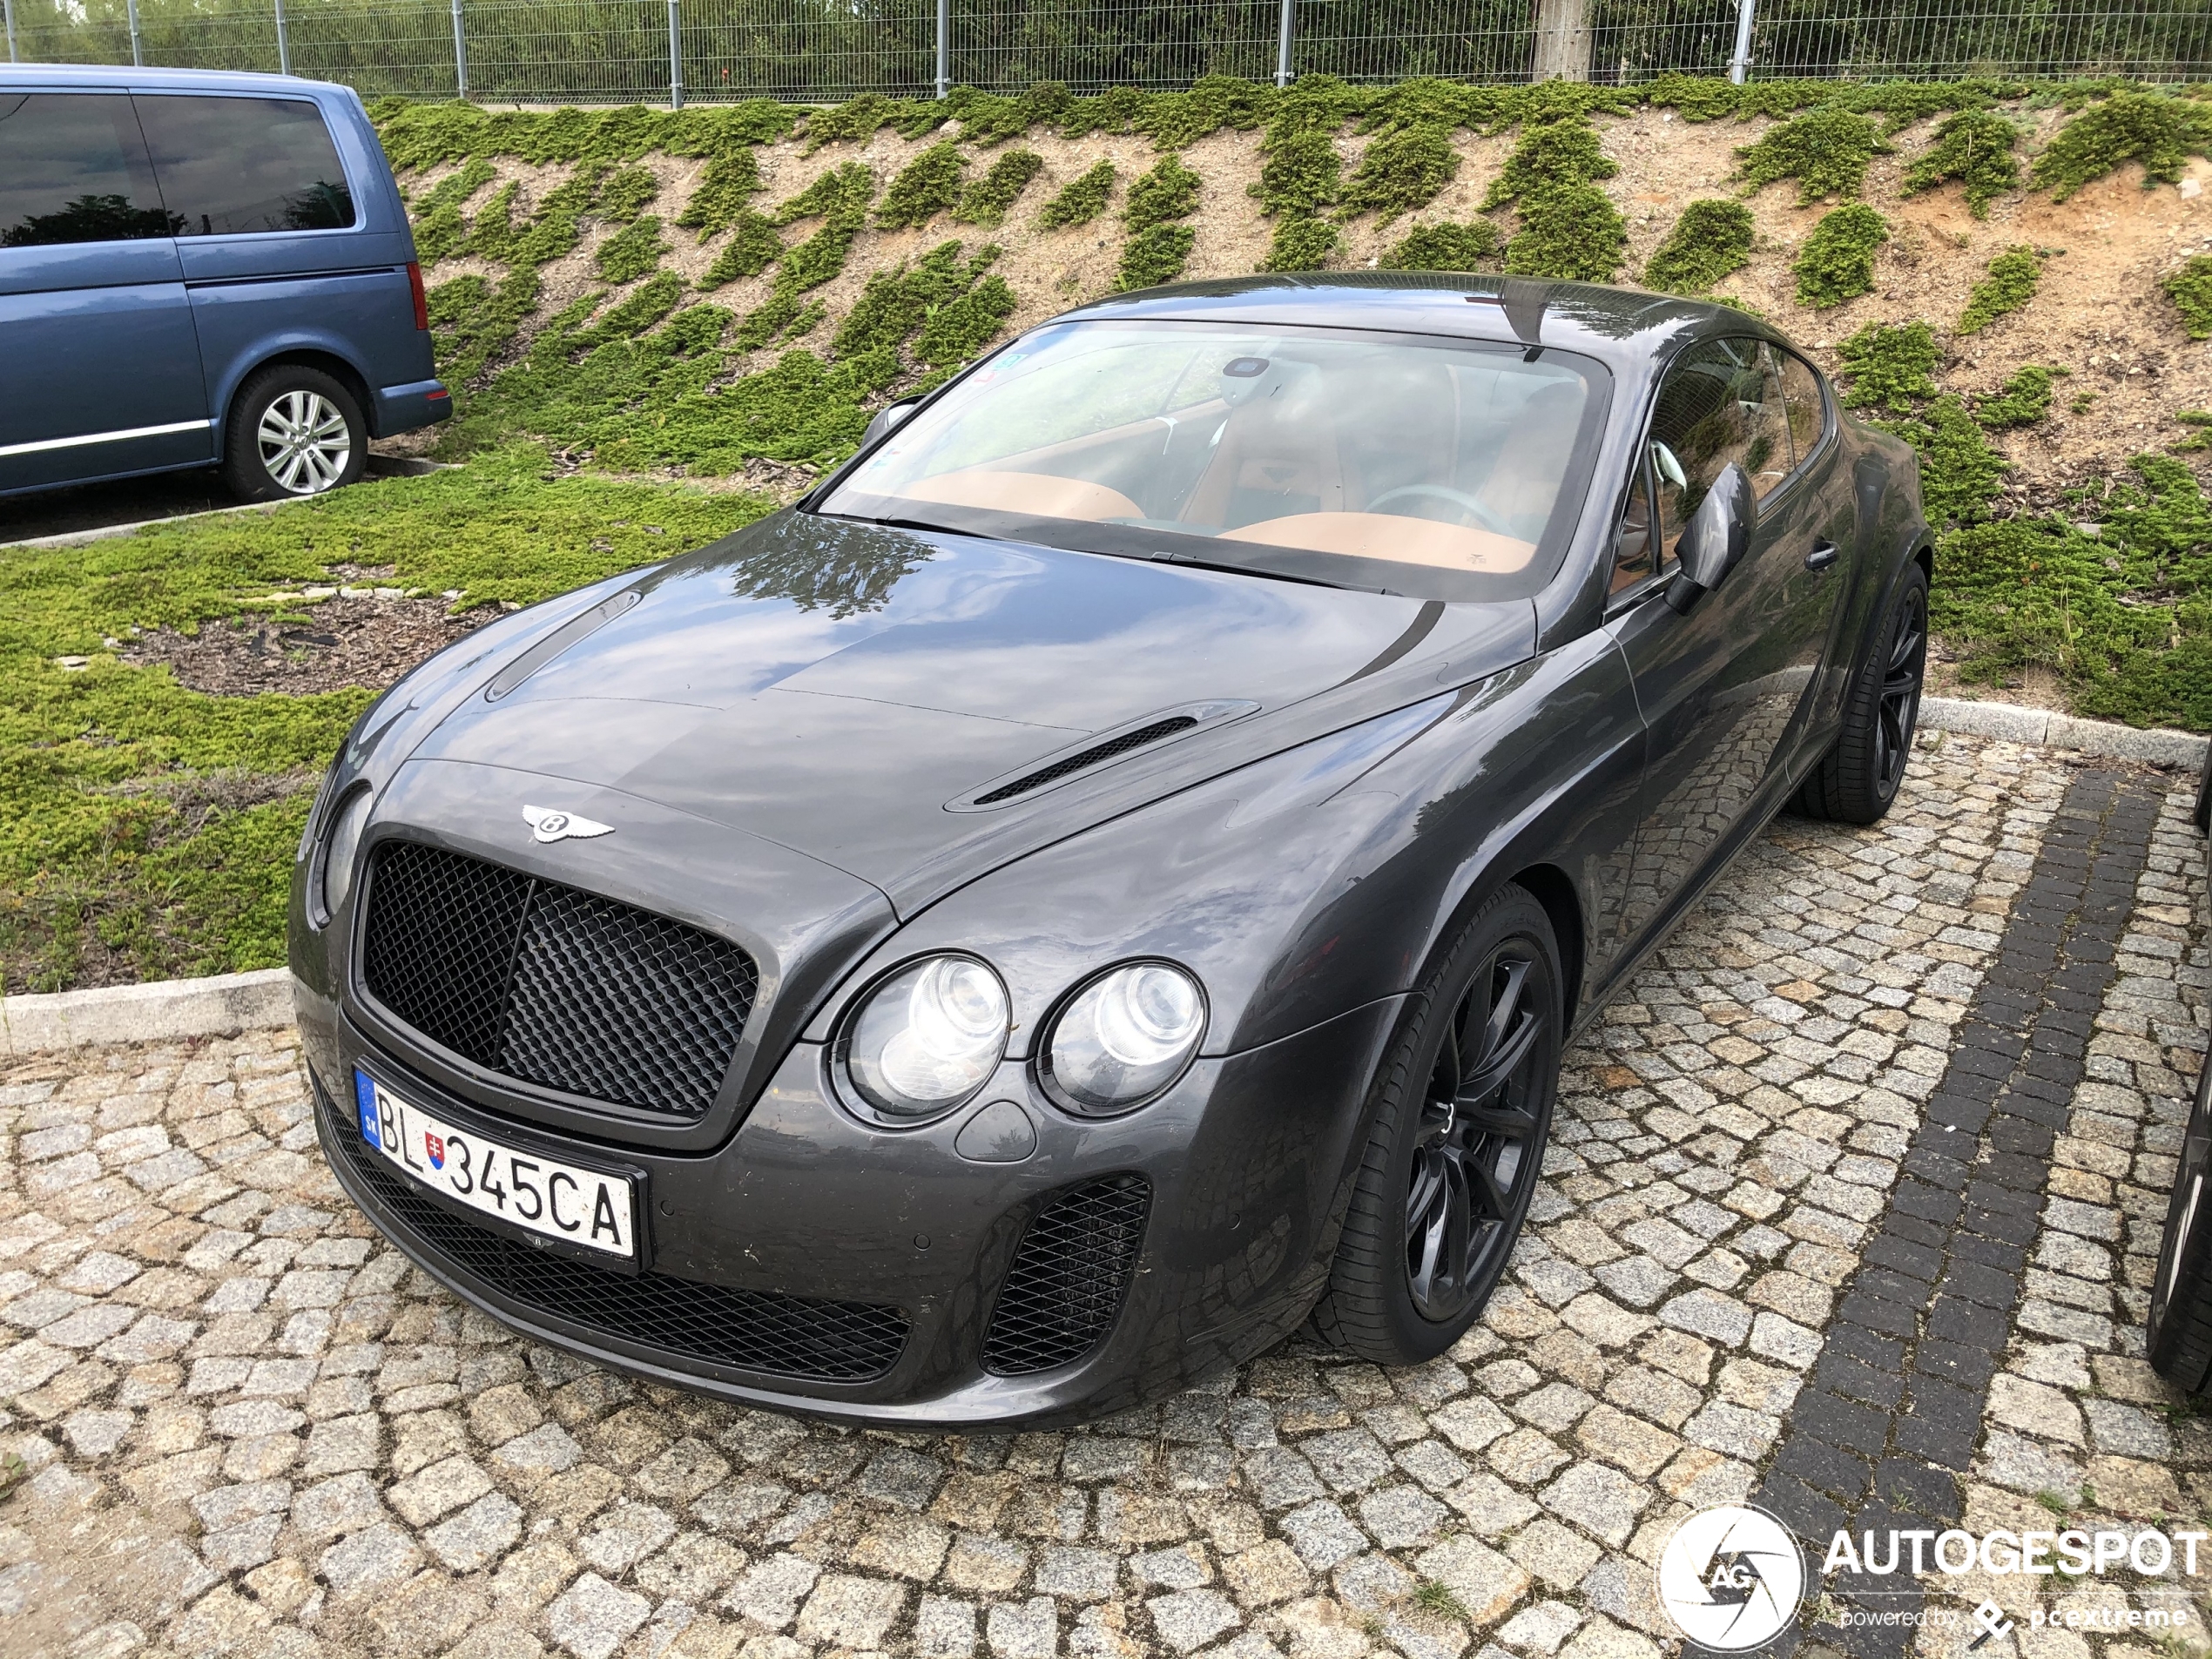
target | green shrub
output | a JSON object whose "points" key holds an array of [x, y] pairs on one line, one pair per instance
{"points": [[1552, 155], [1825, 150], [2160, 132], [1891, 365], [1300, 245], [928, 186], [1711, 240], [625, 195], [1156, 254], [1836, 262], [1301, 173], [985, 201], [1446, 248], [2024, 400], [1402, 171], [1082, 200], [1575, 234], [2011, 284], [752, 248], [1959, 473], [491, 232], [722, 194], [629, 254], [1168, 192], [1975, 147], [2190, 289]]}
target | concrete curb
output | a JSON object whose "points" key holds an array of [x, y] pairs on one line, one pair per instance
{"points": [[169, 1010], [378, 467], [2013, 724], [163, 1011]]}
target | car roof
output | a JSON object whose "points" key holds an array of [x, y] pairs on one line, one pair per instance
{"points": [[182, 80], [1619, 326]]}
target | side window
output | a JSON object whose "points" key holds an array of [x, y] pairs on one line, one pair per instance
{"points": [[233, 164], [73, 169], [1808, 410], [1721, 401], [1632, 559]]}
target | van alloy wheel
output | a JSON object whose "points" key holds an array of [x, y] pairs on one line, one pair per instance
{"points": [[303, 442]]}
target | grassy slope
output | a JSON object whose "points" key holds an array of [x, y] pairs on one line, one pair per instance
{"points": [[145, 830]]}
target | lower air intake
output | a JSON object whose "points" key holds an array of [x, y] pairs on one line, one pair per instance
{"points": [[842, 1342], [1070, 1277]]}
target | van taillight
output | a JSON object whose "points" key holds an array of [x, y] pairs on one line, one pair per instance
{"points": [[421, 303]]}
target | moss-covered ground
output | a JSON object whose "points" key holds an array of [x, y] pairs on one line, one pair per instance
{"points": [[147, 828]]}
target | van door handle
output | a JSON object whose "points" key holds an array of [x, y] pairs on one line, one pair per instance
{"points": [[1824, 554]]}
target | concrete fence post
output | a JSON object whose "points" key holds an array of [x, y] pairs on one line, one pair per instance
{"points": [[460, 54], [1563, 41], [1285, 30], [1740, 64], [284, 43], [675, 59]]}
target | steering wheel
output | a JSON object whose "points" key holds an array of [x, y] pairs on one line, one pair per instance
{"points": [[1467, 503]]}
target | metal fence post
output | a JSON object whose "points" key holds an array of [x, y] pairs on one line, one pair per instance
{"points": [[137, 44], [944, 47], [9, 8], [1741, 62], [1283, 32], [675, 59], [460, 54], [284, 43]]}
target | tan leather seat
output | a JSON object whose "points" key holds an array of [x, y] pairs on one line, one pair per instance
{"points": [[1524, 482], [1282, 444]]}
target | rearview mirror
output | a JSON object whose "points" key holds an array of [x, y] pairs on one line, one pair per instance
{"points": [[1719, 535], [887, 417]]}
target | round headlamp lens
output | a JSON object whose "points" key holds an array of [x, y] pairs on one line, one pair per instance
{"points": [[1126, 1038], [928, 1037], [345, 848]]}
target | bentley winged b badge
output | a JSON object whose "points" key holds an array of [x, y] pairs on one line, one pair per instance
{"points": [[551, 824]]}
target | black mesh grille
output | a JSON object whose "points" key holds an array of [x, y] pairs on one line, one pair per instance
{"points": [[1069, 1277], [552, 985], [758, 1330], [1090, 756]]}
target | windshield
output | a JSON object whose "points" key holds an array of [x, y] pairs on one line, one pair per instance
{"points": [[1443, 469]]}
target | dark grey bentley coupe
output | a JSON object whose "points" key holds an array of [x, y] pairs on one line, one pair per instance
{"points": [[1106, 879]]}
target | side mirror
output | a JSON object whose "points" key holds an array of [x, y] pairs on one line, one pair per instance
{"points": [[1718, 536], [888, 417]]}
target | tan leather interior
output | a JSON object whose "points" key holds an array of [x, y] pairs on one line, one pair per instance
{"points": [[1278, 446], [1386, 535], [1037, 493], [1524, 481]]}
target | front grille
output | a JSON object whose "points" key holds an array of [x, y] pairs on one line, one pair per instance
{"points": [[553, 985], [1069, 1277], [758, 1330], [1095, 755]]}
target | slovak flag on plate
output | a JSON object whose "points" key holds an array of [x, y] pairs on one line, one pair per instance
{"points": [[435, 1146]]}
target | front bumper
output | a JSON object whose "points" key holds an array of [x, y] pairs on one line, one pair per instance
{"points": [[1248, 1159]]}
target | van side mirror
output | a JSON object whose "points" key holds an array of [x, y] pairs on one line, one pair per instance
{"points": [[888, 417], [1718, 536]]}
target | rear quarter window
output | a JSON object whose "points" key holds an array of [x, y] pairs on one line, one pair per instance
{"points": [[229, 166], [73, 169]]}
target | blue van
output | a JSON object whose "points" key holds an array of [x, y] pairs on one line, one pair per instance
{"points": [[201, 269]]}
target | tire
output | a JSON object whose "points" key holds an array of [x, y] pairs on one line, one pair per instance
{"points": [[293, 431], [1448, 1148], [1855, 781], [2204, 795], [2178, 1336]]}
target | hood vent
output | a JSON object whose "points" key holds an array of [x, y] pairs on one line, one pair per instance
{"points": [[1097, 752]]}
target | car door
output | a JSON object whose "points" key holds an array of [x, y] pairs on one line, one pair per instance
{"points": [[1826, 501], [99, 363], [1724, 689], [264, 213]]}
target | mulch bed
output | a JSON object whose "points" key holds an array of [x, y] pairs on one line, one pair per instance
{"points": [[345, 642]]}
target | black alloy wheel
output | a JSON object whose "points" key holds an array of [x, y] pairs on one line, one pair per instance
{"points": [[1478, 1146], [1460, 1109], [2178, 1334], [1855, 781]]}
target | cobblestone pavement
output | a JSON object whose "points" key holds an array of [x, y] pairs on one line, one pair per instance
{"points": [[1852, 1204]]}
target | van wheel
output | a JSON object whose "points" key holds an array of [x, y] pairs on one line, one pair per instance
{"points": [[1462, 1110], [293, 431]]}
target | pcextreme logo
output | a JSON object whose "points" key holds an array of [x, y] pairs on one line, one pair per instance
{"points": [[1732, 1578]]}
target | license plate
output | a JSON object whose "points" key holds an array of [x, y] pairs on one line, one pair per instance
{"points": [[525, 1189]]}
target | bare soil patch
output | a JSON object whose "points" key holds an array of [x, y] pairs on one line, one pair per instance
{"points": [[344, 642]]}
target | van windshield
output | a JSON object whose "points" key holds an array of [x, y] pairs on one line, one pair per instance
{"points": [[1443, 469]]}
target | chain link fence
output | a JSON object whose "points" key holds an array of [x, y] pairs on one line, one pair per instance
{"points": [[610, 51]]}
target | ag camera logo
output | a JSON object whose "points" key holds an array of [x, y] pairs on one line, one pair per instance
{"points": [[1731, 1578]]}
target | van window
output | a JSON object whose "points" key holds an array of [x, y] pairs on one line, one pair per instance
{"points": [[73, 169], [229, 166]]}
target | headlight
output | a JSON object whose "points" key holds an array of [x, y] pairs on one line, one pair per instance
{"points": [[928, 1038], [1124, 1038], [345, 847]]}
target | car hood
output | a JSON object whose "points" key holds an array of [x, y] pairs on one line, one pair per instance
{"points": [[845, 690]]}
